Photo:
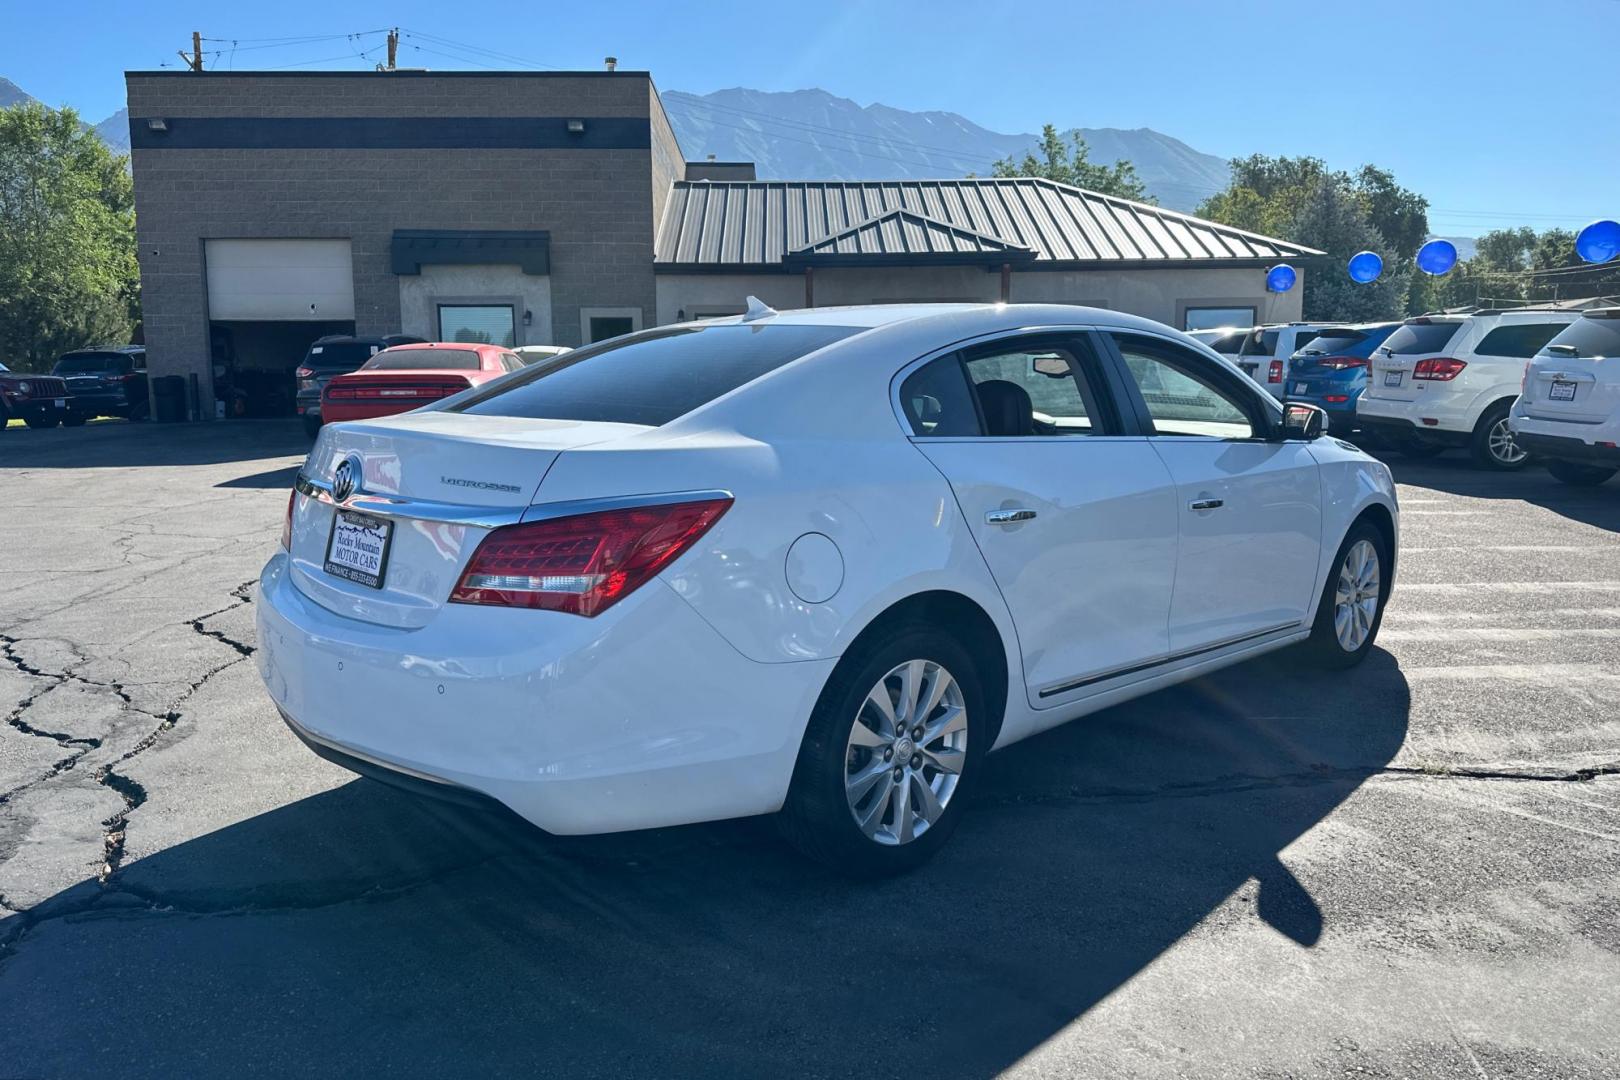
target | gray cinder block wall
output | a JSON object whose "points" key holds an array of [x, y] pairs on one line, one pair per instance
{"points": [[252, 180]]}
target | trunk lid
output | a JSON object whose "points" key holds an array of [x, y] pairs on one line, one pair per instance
{"points": [[436, 483], [1572, 388]]}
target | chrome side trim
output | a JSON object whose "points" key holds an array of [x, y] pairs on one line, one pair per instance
{"points": [[1187, 654]]}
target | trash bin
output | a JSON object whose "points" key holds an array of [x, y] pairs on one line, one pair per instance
{"points": [[169, 399]]}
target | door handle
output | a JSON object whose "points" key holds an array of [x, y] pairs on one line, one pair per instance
{"points": [[1008, 517], [1206, 504]]}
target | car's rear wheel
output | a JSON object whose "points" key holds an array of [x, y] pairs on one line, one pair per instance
{"points": [[1571, 472], [1352, 605], [1492, 444], [890, 750]]}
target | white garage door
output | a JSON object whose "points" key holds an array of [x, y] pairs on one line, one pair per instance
{"points": [[280, 280]]}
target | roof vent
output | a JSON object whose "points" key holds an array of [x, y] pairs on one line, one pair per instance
{"points": [[757, 309], [612, 62], [711, 156]]}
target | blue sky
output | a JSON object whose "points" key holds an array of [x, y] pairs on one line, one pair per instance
{"points": [[1500, 111]]}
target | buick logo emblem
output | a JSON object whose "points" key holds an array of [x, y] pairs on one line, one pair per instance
{"points": [[344, 480]]}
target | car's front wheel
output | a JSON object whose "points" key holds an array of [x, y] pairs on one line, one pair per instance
{"points": [[1570, 472], [891, 748], [1352, 605]]}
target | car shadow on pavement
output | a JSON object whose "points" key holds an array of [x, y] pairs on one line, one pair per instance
{"points": [[122, 444], [1455, 475], [362, 931]]}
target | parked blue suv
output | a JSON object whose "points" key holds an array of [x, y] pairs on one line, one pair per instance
{"points": [[1330, 372]]}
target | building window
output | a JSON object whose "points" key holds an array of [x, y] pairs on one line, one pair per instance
{"points": [[483, 324], [1211, 318], [601, 323]]}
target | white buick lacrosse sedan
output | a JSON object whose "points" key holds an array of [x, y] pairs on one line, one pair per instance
{"points": [[812, 563]]}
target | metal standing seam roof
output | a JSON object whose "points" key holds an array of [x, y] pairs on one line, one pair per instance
{"points": [[710, 224]]}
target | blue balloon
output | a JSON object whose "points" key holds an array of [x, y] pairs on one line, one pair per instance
{"points": [[1598, 242], [1280, 278], [1365, 266], [1437, 257]]}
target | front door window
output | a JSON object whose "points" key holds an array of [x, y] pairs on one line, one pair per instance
{"points": [[478, 324]]}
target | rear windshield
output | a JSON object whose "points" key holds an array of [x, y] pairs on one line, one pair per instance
{"points": [[417, 359], [94, 363], [1228, 343], [1589, 337], [1520, 339], [1332, 343], [340, 355], [1261, 343], [653, 377], [1430, 337]]}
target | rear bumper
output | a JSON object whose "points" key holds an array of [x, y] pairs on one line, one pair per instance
{"points": [[1452, 414], [101, 404], [1397, 431], [641, 717], [1564, 448]]}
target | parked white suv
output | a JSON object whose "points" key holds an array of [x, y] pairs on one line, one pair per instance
{"points": [[1266, 350], [1449, 380], [1569, 409]]}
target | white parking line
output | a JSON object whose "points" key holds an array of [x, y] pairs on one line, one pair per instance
{"points": [[1551, 548], [1447, 589], [1499, 633]]}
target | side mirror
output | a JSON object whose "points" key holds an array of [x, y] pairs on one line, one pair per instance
{"points": [[1051, 365], [1301, 421]]}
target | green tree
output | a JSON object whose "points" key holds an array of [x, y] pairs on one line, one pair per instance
{"points": [[1521, 265], [1067, 163], [1302, 200], [68, 275]]}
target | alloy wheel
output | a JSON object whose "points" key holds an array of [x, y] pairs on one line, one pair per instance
{"points": [[1355, 600], [1501, 445], [907, 745]]}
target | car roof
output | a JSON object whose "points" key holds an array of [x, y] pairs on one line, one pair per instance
{"points": [[127, 350], [990, 315]]}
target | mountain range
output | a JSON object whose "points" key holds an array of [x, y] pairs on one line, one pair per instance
{"points": [[812, 134], [114, 130]]}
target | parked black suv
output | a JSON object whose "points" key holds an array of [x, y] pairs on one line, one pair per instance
{"points": [[330, 356], [106, 381]]}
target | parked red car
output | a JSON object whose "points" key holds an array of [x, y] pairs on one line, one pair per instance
{"points": [[406, 377], [42, 400]]}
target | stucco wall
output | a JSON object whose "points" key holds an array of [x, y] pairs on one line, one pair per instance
{"points": [[1162, 294], [421, 294]]}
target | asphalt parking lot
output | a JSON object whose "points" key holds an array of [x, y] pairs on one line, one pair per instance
{"points": [[1412, 869]]}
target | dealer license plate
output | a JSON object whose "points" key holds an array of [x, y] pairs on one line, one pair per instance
{"points": [[1393, 378], [358, 548], [1561, 391], [61, 403], [1301, 388]]}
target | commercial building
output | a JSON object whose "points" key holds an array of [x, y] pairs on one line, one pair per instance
{"points": [[557, 207]]}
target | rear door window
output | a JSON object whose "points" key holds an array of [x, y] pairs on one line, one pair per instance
{"points": [[1332, 343], [652, 377], [1522, 340], [1429, 337], [1231, 343]]}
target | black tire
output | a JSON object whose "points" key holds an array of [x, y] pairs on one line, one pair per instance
{"points": [[74, 419], [817, 817], [1480, 442], [312, 426], [41, 423], [1580, 475], [1323, 646]]}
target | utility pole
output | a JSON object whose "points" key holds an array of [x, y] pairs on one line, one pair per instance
{"points": [[393, 46], [194, 61]]}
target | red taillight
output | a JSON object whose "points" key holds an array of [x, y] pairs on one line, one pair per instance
{"points": [[1524, 380], [1343, 363], [304, 373], [286, 525], [1335, 399], [1438, 368], [1274, 372], [586, 563], [131, 377]]}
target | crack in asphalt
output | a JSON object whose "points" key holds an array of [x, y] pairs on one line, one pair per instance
{"points": [[130, 791]]}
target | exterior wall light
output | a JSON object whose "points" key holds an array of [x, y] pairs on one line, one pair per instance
{"points": [[157, 123], [576, 127]]}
